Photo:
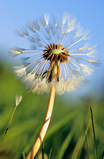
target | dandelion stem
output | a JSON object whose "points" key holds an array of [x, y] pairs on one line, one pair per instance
{"points": [[44, 127]]}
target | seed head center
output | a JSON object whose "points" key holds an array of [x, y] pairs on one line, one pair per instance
{"points": [[56, 51]]}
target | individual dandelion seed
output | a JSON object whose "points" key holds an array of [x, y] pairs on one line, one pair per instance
{"points": [[58, 61], [18, 99]]}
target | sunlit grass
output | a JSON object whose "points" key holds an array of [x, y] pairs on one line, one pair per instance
{"points": [[94, 133], [70, 134]]}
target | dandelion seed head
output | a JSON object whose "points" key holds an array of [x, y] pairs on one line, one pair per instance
{"points": [[58, 43]]}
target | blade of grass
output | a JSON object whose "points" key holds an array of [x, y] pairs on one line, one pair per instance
{"points": [[87, 146], [79, 144], [23, 155], [42, 150], [85, 137], [65, 144], [50, 154], [61, 123], [103, 155], [94, 133], [77, 148]]}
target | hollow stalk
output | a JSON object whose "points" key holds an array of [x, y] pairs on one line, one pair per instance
{"points": [[47, 119]]}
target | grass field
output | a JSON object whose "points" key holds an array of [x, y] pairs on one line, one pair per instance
{"points": [[73, 133]]}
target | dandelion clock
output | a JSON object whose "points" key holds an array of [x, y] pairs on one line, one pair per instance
{"points": [[59, 61]]}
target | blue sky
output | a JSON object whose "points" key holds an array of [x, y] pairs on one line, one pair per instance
{"points": [[90, 13]]}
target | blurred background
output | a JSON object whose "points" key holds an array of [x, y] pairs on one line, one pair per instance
{"points": [[70, 133]]}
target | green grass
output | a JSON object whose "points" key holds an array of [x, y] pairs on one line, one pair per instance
{"points": [[95, 142], [71, 134]]}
